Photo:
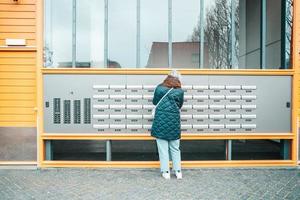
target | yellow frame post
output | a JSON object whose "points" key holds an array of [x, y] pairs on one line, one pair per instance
{"points": [[39, 79], [296, 67]]}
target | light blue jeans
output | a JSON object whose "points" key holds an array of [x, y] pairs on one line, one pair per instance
{"points": [[166, 150]]}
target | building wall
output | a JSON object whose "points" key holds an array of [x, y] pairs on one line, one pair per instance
{"points": [[18, 75], [17, 20], [17, 65], [18, 81]]}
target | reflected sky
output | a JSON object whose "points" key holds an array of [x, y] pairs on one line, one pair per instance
{"points": [[122, 32]]}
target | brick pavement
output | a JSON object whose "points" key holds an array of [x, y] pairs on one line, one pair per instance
{"points": [[135, 184]]}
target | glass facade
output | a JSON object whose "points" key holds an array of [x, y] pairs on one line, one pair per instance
{"points": [[209, 34], [249, 14], [217, 34], [74, 33], [90, 34], [287, 24], [121, 33], [185, 34], [154, 33], [58, 33]]}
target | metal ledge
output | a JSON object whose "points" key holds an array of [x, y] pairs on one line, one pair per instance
{"points": [[13, 163]]}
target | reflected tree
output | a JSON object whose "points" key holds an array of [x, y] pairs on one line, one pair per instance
{"points": [[217, 34], [289, 32], [47, 56]]}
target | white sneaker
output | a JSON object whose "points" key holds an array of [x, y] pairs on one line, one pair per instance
{"points": [[178, 175], [166, 175]]}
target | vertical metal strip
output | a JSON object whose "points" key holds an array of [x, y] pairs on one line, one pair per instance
{"points": [[49, 151], [229, 150], [201, 24], [170, 34], [108, 150], [233, 52], [226, 149], [263, 34], [138, 34], [74, 34], [285, 149], [106, 33], [51, 27]]}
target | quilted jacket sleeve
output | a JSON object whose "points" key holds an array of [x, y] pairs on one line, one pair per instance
{"points": [[179, 98], [156, 96]]}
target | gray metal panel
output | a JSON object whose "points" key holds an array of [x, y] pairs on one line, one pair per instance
{"points": [[72, 87], [259, 101]]}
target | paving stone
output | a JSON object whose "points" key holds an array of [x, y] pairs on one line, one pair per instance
{"points": [[135, 184]]}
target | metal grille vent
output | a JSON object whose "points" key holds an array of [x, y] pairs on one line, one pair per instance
{"points": [[67, 111], [77, 111], [56, 111], [87, 110]]}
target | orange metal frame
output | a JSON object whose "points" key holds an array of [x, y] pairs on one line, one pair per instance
{"points": [[42, 136]]}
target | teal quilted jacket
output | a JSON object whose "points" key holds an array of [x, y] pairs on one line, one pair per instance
{"points": [[166, 122]]}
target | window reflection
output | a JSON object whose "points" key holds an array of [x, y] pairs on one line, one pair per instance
{"points": [[154, 33], [90, 33], [246, 51], [249, 33], [58, 29], [287, 39], [139, 34], [122, 33], [273, 43], [186, 36], [217, 34]]}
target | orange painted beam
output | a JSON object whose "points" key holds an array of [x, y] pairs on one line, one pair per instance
{"points": [[166, 71], [155, 164], [200, 136], [296, 78]]}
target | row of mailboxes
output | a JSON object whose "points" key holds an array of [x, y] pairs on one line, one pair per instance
{"points": [[195, 111], [189, 123], [207, 108], [114, 106], [186, 97], [187, 103], [191, 91], [221, 116], [185, 126], [186, 87]]}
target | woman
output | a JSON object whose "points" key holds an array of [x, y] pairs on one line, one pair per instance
{"points": [[166, 123]]}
